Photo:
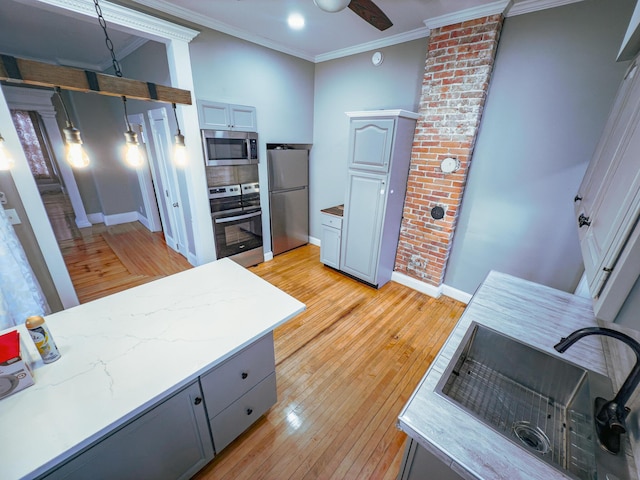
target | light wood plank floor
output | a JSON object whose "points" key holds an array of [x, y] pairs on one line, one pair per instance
{"points": [[345, 368]]}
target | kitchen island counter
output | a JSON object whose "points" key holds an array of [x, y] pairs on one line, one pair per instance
{"points": [[532, 313], [124, 353]]}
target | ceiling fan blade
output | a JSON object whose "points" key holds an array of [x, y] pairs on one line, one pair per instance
{"points": [[370, 12]]}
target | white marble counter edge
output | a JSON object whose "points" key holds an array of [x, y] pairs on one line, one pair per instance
{"points": [[497, 461]]}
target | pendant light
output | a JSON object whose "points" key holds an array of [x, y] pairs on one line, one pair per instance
{"points": [[132, 155], [76, 156], [179, 148], [6, 161]]}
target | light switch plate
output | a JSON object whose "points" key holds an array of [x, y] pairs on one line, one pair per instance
{"points": [[12, 215]]}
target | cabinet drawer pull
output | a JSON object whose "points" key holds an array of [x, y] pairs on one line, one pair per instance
{"points": [[244, 375], [249, 411], [197, 401]]}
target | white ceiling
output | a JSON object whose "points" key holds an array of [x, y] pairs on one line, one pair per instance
{"points": [[34, 29]]}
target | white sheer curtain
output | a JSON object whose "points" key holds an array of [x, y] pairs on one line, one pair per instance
{"points": [[20, 293]]}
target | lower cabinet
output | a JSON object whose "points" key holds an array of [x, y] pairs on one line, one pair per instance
{"points": [[240, 390], [330, 240], [419, 464], [170, 441]]}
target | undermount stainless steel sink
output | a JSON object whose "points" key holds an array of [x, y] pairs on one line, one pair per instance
{"points": [[540, 402]]}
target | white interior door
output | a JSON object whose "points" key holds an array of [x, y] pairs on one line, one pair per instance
{"points": [[147, 178], [169, 197]]}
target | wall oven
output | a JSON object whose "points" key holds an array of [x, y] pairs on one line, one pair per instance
{"points": [[222, 147], [237, 222]]}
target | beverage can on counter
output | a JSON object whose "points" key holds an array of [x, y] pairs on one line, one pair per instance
{"points": [[41, 336]]}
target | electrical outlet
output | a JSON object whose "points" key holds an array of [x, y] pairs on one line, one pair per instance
{"points": [[12, 215], [3, 198]]}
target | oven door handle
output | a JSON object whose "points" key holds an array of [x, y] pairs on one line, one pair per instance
{"points": [[238, 217]]}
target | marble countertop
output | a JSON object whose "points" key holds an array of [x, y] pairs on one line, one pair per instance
{"points": [[123, 353], [532, 313]]}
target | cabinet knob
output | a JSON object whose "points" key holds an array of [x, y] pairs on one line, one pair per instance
{"points": [[249, 411], [197, 401], [577, 198], [244, 375], [583, 220]]}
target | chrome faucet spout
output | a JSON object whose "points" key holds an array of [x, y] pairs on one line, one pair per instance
{"points": [[610, 415]]}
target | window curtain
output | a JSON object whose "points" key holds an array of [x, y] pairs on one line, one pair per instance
{"points": [[33, 142], [20, 293]]}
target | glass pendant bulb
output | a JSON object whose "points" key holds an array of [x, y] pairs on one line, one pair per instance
{"points": [[132, 155], [179, 151], [6, 161], [76, 156]]}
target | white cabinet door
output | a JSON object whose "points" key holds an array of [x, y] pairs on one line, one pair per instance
{"points": [[171, 441], [243, 118], [226, 116], [370, 143], [608, 201], [364, 209], [330, 247]]}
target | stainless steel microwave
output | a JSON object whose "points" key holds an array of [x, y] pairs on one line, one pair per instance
{"points": [[223, 147]]}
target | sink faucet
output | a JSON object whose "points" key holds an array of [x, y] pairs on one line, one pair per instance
{"points": [[610, 414]]}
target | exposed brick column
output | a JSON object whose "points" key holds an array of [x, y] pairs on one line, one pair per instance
{"points": [[457, 73]]}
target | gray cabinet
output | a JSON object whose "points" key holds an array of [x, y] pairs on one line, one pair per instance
{"points": [[240, 390], [420, 464], [170, 441], [330, 240], [225, 116], [370, 142], [607, 204], [379, 157]]}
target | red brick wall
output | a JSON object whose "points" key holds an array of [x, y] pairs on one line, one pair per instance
{"points": [[457, 73]]}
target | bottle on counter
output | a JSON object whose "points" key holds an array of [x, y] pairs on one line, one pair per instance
{"points": [[41, 336]]}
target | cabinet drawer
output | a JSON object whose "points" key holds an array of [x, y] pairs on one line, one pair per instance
{"points": [[237, 417], [238, 375], [331, 221]]}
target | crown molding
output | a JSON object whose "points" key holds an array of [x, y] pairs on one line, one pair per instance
{"points": [[116, 14], [528, 6], [365, 47], [468, 14]]}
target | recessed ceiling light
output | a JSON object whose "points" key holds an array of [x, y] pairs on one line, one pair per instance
{"points": [[296, 21]]}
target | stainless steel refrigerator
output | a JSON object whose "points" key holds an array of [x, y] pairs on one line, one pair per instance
{"points": [[288, 198]]}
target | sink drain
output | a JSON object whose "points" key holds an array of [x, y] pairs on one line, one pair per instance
{"points": [[532, 437]]}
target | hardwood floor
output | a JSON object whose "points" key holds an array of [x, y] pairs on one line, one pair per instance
{"points": [[345, 368]]}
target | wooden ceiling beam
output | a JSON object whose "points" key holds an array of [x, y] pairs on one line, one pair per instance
{"points": [[31, 72]]}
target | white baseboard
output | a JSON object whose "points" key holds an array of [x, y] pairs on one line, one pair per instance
{"points": [[115, 219], [119, 218], [268, 256], [410, 282], [143, 220], [82, 224], [429, 289], [456, 294], [95, 218], [314, 241]]}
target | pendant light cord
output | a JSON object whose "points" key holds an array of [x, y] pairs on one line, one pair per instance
{"points": [[175, 114], [64, 107], [126, 116]]}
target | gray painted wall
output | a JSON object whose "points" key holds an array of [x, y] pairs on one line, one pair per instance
{"points": [[350, 84], [554, 80]]}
